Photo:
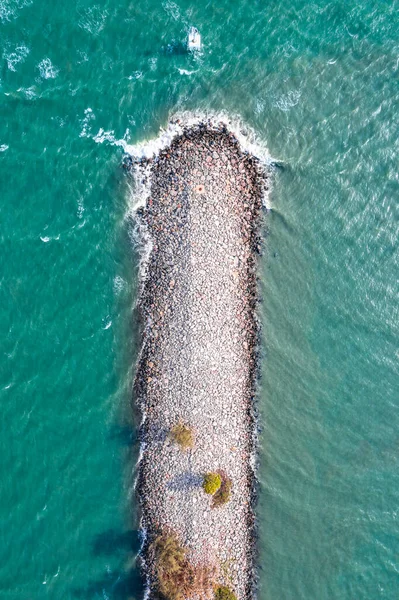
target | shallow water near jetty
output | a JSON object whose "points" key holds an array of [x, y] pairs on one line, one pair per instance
{"points": [[318, 82]]}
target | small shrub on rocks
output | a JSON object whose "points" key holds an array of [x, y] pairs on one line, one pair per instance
{"points": [[223, 494], [173, 578], [222, 592], [211, 483], [182, 435], [176, 578]]}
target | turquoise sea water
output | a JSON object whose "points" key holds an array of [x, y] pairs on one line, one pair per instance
{"points": [[319, 83]]}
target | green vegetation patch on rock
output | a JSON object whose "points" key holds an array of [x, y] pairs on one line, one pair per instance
{"points": [[222, 496], [211, 483], [182, 435], [222, 592], [176, 578]]}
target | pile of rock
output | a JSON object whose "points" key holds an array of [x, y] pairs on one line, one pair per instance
{"points": [[198, 358]]}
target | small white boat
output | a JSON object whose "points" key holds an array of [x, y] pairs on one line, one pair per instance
{"points": [[194, 39]]}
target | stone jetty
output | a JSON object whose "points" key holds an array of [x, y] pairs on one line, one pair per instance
{"points": [[198, 361]]}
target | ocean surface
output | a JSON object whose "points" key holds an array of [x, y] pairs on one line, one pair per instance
{"points": [[318, 82]]}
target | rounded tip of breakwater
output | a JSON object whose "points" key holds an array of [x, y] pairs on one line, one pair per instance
{"points": [[201, 193], [140, 157]]}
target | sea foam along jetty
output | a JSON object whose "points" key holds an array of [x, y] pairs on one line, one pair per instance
{"points": [[199, 341]]}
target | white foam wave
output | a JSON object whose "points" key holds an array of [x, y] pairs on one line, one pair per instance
{"points": [[136, 75], [81, 208], [83, 57], [47, 69], [119, 284], [106, 322], [93, 19], [105, 136], [153, 63], [288, 101], [45, 238], [172, 9], [142, 242], [246, 136], [149, 149], [15, 56], [87, 119], [185, 72], [29, 92], [109, 136], [4, 147], [9, 8]]}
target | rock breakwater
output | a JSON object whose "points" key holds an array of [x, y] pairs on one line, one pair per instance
{"points": [[198, 359]]}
